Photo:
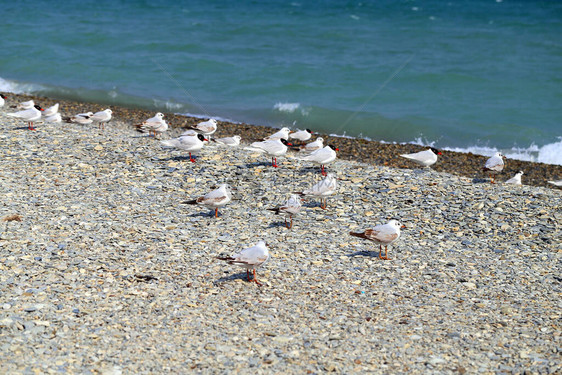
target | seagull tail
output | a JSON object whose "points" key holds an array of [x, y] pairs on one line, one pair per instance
{"points": [[170, 143], [193, 201], [360, 235]]}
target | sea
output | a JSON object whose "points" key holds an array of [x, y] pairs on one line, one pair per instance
{"points": [[471, 76]]}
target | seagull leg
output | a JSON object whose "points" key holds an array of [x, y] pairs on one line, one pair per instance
{"points": [[274, 162], [191, 158], [255, 278], [386, 253], [380, 251], [248, 274], [323, 203], [216, 212], [322, 170]]}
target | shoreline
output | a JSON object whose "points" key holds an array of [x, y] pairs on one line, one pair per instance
{"points": [[373, 152]]}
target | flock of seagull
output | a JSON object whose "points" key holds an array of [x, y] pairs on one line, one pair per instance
{"points": [[275, 145]]}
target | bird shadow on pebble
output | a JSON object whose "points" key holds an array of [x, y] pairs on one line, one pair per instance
{"points": [[257, 164], [234, 276], [480, 180], [276, 224], [364, 253]]}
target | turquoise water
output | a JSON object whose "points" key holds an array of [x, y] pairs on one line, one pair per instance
{"points": [[472, 76]]}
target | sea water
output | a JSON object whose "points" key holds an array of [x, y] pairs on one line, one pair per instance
{"points": [[479, 75]]}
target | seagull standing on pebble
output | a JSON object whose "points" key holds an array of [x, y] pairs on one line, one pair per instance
{"points": [[207, 128], [323, 156], [250, 259], [214, 199], [30, 115], [51, 111], [25, 105], [385, 235], [322, 189], [2, 101], [313, 146], [494, 165], [229, 141], [190, 143], [273, 148], [153, 125], [102, 117], [301, 135], [290, 209]]}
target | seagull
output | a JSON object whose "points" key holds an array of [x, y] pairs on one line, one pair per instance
{"points": [[322, 189], [281, 134], [53, 110], [313, 146], [229, 141], [30, 115], [153, 125], [290, 208], [494, 165], [323, 156], [273, 148], [81, 118], [2, 97], [54, 118], [516, 180], [190, 143], [301, 135], [425, 158], [25, 105], [250, 259], [556, 183], [383, 235], [215, 199], [102, 117], [207, 127]]}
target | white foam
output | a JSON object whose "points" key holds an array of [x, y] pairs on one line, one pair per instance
{"points": [[550, 153], [19, 88], [287, 107]]}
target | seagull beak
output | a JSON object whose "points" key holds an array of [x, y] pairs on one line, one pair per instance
{"points": [[439, 153], [403, 227], [337, 149]]}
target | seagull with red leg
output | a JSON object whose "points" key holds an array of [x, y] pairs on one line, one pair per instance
{"points": [[214, 199], [290, 208], [385, 235], [190, 143], [323, 189], [323, 156], [494, 165], [273, 148], [30, 115], [250, 259]]}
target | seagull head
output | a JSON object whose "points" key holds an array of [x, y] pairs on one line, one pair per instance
{"points": [[435, 151], [285, 142], [333, 147], [38, 107], [2, 96]]}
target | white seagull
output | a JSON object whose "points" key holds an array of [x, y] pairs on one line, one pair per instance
{"points": [[290, 208], [54, 118], [425, 158], [494, 165], [556, 183], [301, 135], [273, 148], [322, 189], [51, 111], [207, 127], [81, 118], [214, 199], [323, 156], [190, 143], [26, 105], [102, 117], [516, 180], [2, 101], [382, 235], [281, 134], [313, 146], [30, 115], [153, 125], [250, 259], [229, 141]]}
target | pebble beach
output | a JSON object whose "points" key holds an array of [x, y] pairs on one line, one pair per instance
{"points": [[104, 271]]}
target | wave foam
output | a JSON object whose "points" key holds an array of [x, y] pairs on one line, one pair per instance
{"points": [[286, 107], [550, 153]]}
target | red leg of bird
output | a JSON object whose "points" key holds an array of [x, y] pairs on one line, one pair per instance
{"points": [[386, 253], [323, 171], [191, 158], [380, 251], [248, 275], [323, 203], [217, 212], [274, 162], [255, 278]]}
